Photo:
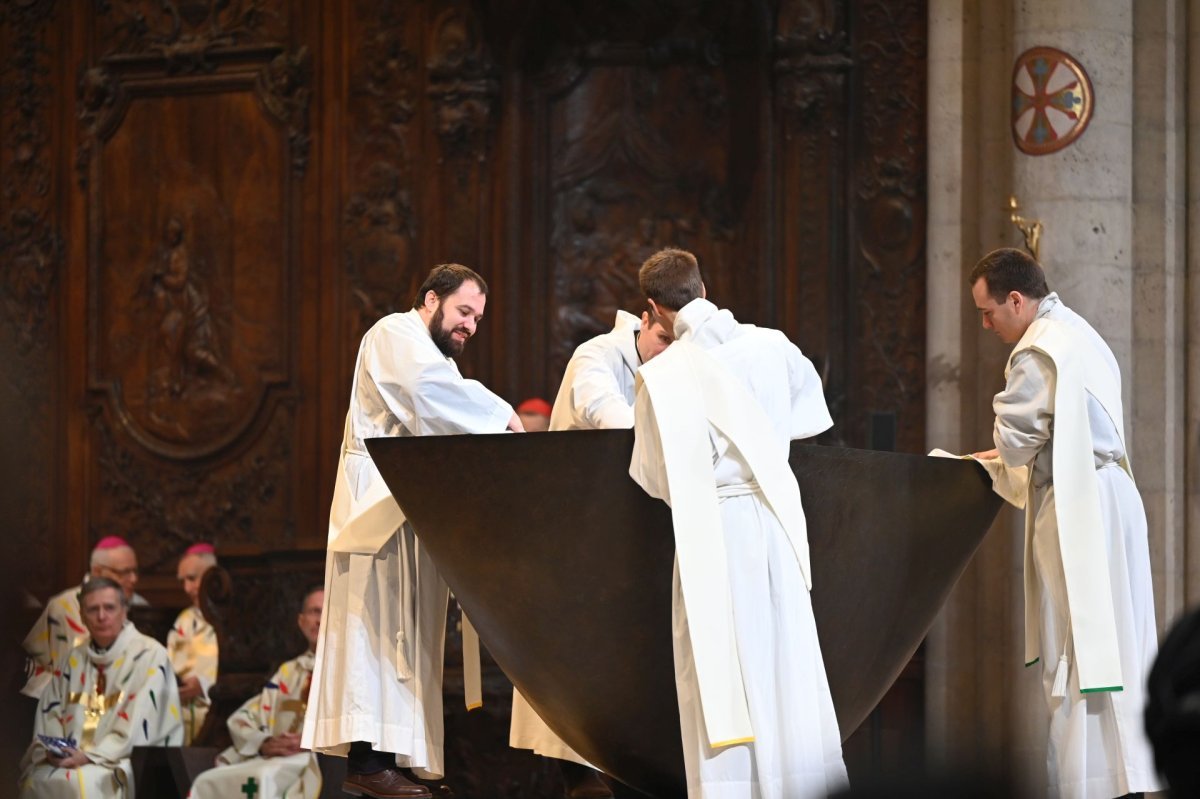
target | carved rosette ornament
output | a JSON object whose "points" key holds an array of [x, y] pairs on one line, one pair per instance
{"points": [[283, 87], [463, 85]]}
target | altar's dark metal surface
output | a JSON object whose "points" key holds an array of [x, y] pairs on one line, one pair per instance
{"points": [[564, 566]]}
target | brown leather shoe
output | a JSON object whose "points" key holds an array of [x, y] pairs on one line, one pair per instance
{"points": [[386, 784]]}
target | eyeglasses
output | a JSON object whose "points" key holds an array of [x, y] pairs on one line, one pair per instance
{"points": [[130, 572]]}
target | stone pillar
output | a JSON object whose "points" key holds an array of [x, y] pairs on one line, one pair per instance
{"points": [[1191, 431], [1158, 375], [1084, 193], [973, 650]]}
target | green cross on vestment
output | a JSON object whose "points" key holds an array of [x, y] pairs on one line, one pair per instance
{"points": [[250, 788]]}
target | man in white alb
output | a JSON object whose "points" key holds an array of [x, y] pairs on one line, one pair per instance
{"points": [[377, 681], [714, 417], [597, 393], [1089, 603], [61, 627], [265, 759], [111, 692]]}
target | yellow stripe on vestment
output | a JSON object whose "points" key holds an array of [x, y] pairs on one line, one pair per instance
{"points": [[733, 742]]}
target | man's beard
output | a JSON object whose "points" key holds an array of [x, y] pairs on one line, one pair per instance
{"points": [[444, 338]]}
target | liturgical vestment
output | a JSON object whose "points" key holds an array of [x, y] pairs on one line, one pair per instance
{"points": [[378, 671], [108, 702], [1089, 603], [58, 630], [192, 645], [277, 710], [715, 414]]}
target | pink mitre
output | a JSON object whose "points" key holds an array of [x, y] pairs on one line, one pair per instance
{"points": [[112, 542], [200, 549]]}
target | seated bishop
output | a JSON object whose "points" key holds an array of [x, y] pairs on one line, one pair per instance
{"points": [[60, 627], [110, 693], [192, 642], [266, 760]]}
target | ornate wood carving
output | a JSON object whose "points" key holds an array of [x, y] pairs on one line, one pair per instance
{"points": [[643, 143], [31, 247], [811, 62], [162, 508], [811, 59], [31, 260], [191, 332], [272, 586], [188, 35], [283, 87], [889, 188], [100, 103], [379, 223], [463, 85]]}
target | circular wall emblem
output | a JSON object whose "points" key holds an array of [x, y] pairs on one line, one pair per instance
{"points": [[1051, 100]]}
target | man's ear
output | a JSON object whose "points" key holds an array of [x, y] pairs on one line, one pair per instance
{"points": [[703, 290], [653, 307], [431, 300]]}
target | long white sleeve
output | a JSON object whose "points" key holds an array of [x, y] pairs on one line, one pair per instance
{"points": [[423, 389], [1025, 409], [597, 399]]}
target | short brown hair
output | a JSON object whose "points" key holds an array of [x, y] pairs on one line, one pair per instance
{"points": [[1009, 269], [671, 278], [445, 279]]}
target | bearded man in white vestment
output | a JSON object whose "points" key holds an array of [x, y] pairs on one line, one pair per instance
{"points": [[596, 393], [60, 627], [1089, 602], [714, 417], [266, 757], [377, 682], [112, 692]]}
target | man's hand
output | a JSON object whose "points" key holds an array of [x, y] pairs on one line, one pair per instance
{"points": [[280, 745], [514, 424], [74, 759], [189, 688], [991, 454]]}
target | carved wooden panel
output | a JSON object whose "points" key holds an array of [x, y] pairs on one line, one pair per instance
{"points": [[651, 135], [204, 205], [887, 367], [193, 142], [31, 261], [189, 268], [381, 268], [811, 66]]}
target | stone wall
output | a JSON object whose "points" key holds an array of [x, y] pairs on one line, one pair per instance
{"points": [[1115, 206]]}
